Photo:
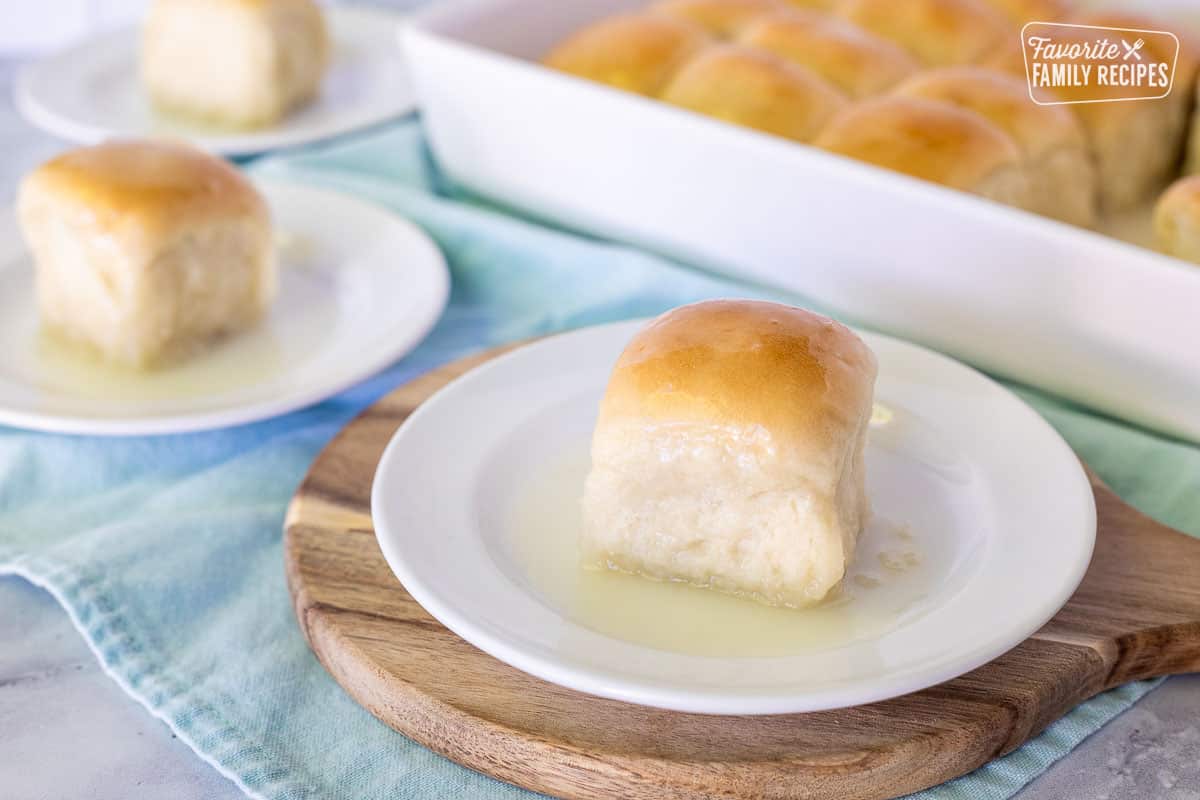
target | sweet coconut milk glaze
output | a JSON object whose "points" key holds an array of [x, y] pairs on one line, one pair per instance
{"points": [[892, 569], [55, 363]]}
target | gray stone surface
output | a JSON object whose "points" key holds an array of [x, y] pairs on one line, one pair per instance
{"points": [[1150, 751], [68, 731]]}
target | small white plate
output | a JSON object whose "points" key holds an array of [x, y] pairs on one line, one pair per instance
{"points": [[92, 91], [358, 288], [973, 480]]}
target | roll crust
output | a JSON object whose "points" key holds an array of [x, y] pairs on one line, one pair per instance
{"points": [[635, 52], [1050, 137], [935, 142], [1177, 219], [743, 363], [1138, 146], [151, 186], [855, 61], [1020, 12], [757, 90], [721, 18], [938, 32]]}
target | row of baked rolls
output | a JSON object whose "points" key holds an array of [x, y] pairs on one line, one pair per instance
{"points": [[816, 79], [811, 77], [986, 32], [1137, 146]]}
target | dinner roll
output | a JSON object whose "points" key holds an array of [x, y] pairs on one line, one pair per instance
{"points": [[1177, 219], [635, 52], [935, 142], [233, 62], [1193, 158], [812, 5], [728, 452], [1020, 12], [938, 32], [1137, 145], [755, 89], [1009, 58], [859, 63], [1060, 168], [146, 250], [721, 18]]}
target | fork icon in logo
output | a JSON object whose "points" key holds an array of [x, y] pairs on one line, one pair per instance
{"points": [[1132, 49]]}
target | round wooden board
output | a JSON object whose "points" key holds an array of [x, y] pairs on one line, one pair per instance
{"points": [[1137, 614]]}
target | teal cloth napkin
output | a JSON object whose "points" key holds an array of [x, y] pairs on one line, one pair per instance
{"points": [[166, 551]]}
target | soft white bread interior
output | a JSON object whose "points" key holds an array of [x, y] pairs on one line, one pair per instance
{"points": [[635, 52], [728, 452], [933, 141], [756, 89], [241, 63], [1177, 219], [146, 251], [1059, 164]]}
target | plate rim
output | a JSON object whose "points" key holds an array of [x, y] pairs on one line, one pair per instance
{"points": [[604, 683], [429, 315], [32, 108]]}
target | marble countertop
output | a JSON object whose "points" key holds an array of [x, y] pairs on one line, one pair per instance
{"points": [[58, 708]]}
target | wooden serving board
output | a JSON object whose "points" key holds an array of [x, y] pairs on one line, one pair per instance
{"points": [[1136, 615]]}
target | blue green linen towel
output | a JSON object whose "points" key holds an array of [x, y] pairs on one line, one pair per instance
{"points": [[166, 550]]}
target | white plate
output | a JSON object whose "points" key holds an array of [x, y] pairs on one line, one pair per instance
{"points": [[989, 492], [359, 288], [92, 91]]}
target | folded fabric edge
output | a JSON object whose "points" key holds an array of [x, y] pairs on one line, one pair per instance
{"points": [[106, 630]]}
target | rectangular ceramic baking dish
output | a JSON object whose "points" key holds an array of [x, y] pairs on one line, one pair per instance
{"points": [[1102, 322]]}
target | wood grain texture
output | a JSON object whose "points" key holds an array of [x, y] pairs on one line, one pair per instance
{"points": [[1136, 615]]}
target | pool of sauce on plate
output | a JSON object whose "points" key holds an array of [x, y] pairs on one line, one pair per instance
{"points": [[888, 577], [230, 363], [233, 362]]}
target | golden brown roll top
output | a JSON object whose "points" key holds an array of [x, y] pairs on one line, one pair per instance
{"points": [[1002, 99], [1020, 12], [635, 52], [155, 184], [1137, 145], [798, 376], [812, 5], [756, 89], [1177, 219], [1050, 138], [856, 62], [935, 142], [937, 32], [721, 18], [792, 71], [1193, 156]]}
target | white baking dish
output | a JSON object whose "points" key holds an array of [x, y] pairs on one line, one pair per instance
{"points": [[1108, 324]]}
